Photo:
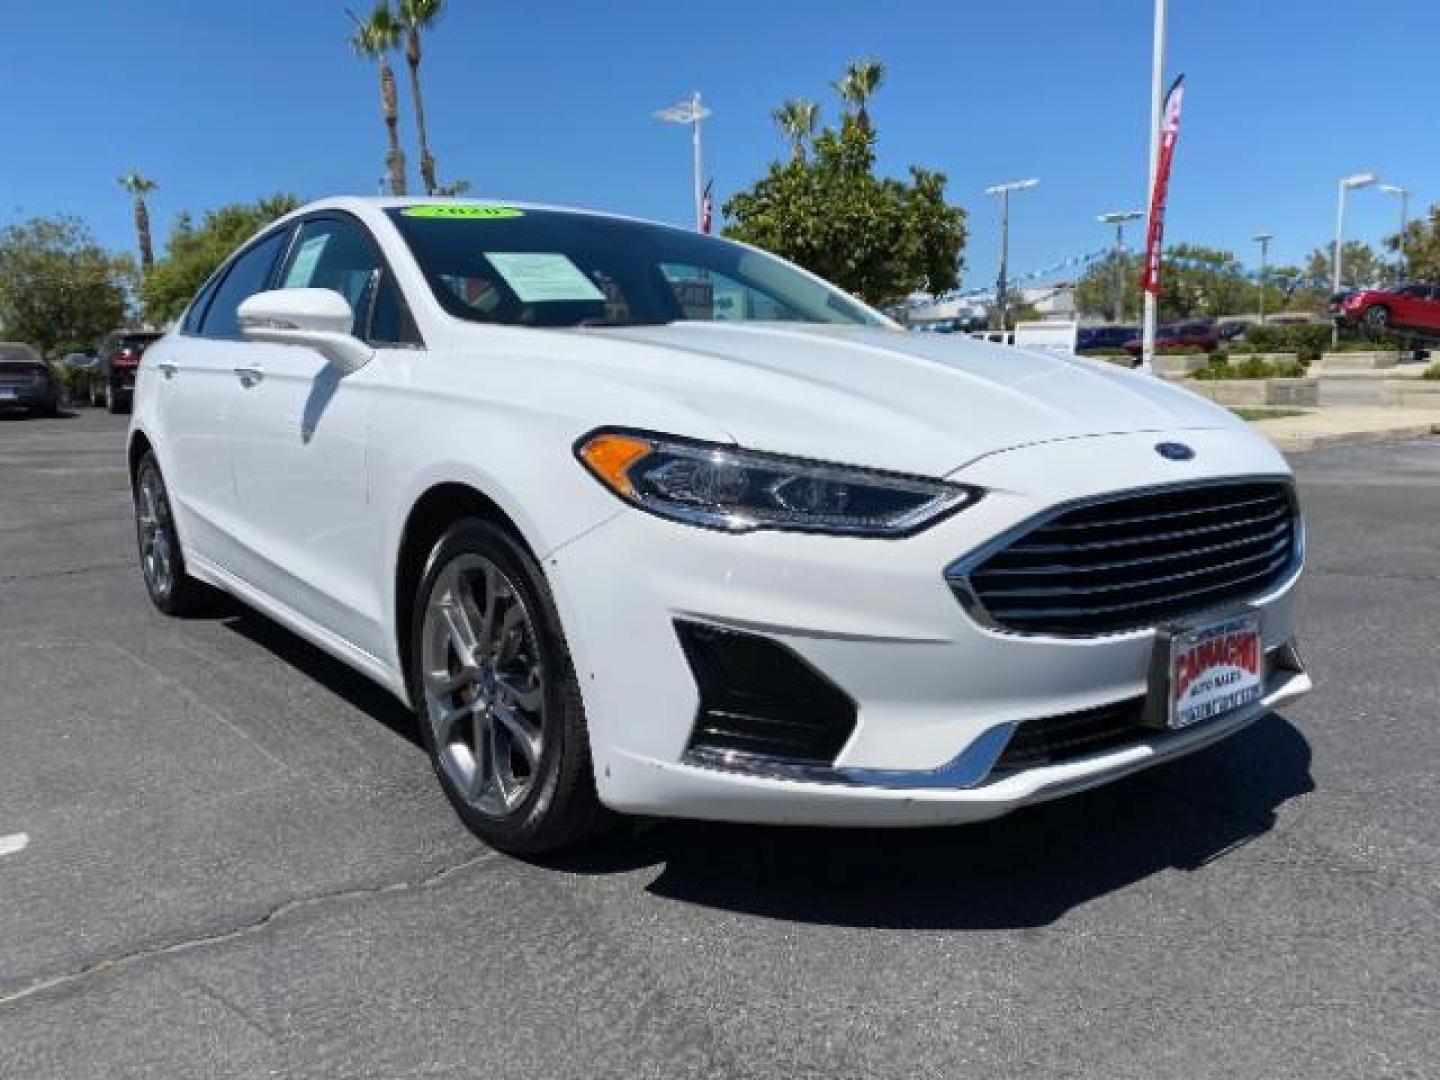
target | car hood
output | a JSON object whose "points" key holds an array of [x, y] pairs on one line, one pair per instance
{"points": [[923, 404]]}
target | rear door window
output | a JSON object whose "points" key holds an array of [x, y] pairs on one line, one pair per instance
{"points": [[248, 275]]}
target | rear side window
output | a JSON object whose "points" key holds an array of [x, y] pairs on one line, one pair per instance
{"points": [[248, 275], [196, 312]]}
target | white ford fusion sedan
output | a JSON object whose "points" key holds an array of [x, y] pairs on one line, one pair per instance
{"points": [[640, 519]]}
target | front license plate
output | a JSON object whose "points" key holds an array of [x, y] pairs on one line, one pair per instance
{"points": [[1215, 669]]}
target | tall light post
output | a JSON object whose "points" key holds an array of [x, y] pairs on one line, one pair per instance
{"points": [[1119, 220], [1263, 239], [1002, 294], [1402, 267], [1348, 183], [693, 113]]}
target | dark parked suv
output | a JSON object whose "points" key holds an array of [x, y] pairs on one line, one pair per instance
{"points": [[120, 354], [26, 381]]}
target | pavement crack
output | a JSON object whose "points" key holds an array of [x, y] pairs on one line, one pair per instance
{"points": [[248, 929], [9, 579]]}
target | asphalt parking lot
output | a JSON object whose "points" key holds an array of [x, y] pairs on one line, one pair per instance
{"points": [[237, 863]]}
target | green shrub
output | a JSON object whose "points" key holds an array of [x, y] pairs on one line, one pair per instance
{"points": [[1432, 372], [1308, 340], [1251, 368]]}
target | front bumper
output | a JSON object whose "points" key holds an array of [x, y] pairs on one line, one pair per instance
{"points": [[932, 687]]}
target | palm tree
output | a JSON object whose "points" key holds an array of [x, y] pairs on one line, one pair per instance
{"points": [[417, 16], [138, 186], [862, 78], [375, 38], [797, 119]]}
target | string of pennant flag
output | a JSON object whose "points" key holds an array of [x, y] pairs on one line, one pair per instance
{"points": [[1288, 283]]}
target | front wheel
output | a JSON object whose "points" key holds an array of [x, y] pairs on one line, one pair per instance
{"points": [[498, 702]]}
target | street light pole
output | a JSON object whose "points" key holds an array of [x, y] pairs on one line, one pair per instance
{"points": [[1264, 241], [1348, 183], [1118, 219], [1402, 267], [692, 112], [1002, 288], [1157, 105]]}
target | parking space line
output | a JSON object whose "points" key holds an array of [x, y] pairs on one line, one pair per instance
{"points": [[14, 844]]}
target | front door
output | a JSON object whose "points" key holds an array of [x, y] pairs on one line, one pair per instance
{"points": [[300, 453]]}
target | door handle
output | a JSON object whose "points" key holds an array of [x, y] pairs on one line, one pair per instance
{"points": [[168, 368], [249, 374]]}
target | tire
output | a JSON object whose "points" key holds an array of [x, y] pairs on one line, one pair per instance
{"points": [[162, 563], [489, 668], [1376, 321], [97, 396], [115, 403]]}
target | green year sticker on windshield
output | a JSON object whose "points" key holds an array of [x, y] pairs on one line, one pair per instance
{"points": [[490, 212]]}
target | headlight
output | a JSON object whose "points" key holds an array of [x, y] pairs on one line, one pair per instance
{"points": [[725, 487]]}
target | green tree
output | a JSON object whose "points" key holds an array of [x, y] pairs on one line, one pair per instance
{"points": [[1361, 265], [1421, 247], [375, 38], [60, 291], [193, 252], [1195, 282], [418, 16], [857, 86], [797, 119], [878, 238], [139, 187]]}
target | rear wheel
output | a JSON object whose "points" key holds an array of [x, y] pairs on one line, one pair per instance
{"points": [[171, 589], [1376, 321], [115, 401], [499, 704]]}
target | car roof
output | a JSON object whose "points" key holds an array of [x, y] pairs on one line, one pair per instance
{"points": [[366, 205]]}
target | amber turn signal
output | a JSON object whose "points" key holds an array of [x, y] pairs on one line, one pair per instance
{"points": [[609, 456]]}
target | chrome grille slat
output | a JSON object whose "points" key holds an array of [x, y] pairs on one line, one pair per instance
{"points": [[1281, 530], [1277, 514], [1279, 547], [1121, 563], [1141, 519], [1219, 586]]}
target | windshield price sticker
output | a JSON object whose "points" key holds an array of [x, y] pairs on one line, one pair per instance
{"points": [[463, 212], [1215, 670], [540, 276]]}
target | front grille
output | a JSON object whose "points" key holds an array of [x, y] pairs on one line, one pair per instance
{"points": [[1056, 739], [1138, 560]]}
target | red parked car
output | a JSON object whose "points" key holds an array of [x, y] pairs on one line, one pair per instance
{"points": [[1410, 309], [120, 354], [1197, 333]]}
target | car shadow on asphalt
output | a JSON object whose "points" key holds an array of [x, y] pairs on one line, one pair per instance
{"points": [[1024, 870], [356, 690]]}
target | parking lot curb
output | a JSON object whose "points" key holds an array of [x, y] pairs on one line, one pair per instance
{"points": [[1299, 444]]}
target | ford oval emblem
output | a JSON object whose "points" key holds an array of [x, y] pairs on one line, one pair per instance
{"points": [[1174, 451]]}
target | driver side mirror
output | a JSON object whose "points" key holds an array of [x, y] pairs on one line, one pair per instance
{"points": [[319, 319]]}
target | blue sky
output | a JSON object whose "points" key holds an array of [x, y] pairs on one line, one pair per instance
{"points": [[551, 101]]}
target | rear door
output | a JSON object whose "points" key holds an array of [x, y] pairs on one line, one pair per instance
{"points": [[200, 390], [301, 461]]}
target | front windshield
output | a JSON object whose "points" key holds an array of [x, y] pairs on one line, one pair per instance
{"points": [[553, 268]]}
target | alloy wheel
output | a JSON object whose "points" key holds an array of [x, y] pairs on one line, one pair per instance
{"points": [[484, 685], [152, 515]]}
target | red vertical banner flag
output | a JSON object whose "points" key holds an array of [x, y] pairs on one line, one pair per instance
{"points": [[707, 209], [1155, 232]]}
